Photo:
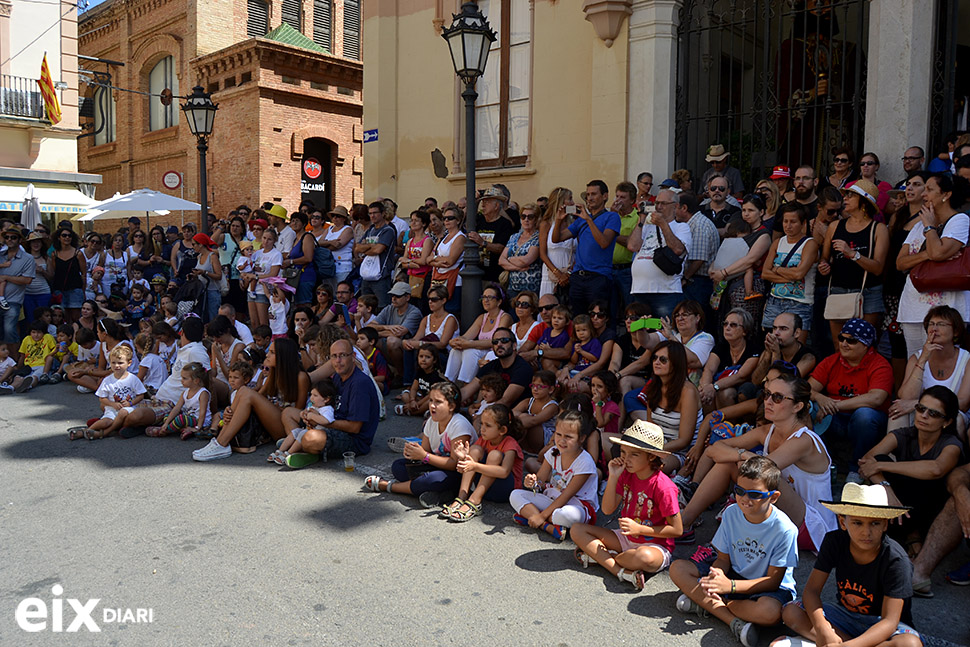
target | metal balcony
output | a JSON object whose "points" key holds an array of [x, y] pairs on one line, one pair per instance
{"points": [[20, 97]]}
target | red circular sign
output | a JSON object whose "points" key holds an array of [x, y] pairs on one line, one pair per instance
{"points": [[312, 168]]}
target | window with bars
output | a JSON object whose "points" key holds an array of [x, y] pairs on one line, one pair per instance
{"points": [[352, 29], [257, 21], [161, 77], [502, 109], [104, 116], [292, 14], [323, 23]]}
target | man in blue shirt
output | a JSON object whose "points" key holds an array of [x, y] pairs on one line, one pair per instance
{"points": [[595, 230], [15, 277], [379, 241]]}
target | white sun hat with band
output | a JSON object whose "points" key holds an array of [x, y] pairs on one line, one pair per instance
{"points": [[643, 435], [870, 501]]}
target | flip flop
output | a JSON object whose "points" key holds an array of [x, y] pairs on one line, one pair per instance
{"points": [[299, 460], [76, 433], [923, 589]]}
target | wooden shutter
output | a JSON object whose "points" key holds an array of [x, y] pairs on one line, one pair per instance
{"points": [[257, 23], [352, 29], [322, 23], [291, 13]]}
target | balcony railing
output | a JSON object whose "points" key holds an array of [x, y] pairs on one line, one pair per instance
{"points": [[20, 97]]}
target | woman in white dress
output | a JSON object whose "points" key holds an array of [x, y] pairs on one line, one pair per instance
{"points": [[557, 258]]}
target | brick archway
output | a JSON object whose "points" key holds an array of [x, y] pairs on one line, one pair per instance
{"points": [[314, 132]]}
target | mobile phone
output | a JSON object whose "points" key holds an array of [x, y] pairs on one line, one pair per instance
{"points": [[572, 210], [346, 311], [647, 323]]}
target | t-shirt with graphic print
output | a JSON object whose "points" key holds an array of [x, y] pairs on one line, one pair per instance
{"points": [[648, 502], [122, 390], [862, 587], [755, 547], [35, 352]]}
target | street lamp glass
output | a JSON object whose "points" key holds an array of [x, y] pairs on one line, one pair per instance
{"points": [[469, 39], [199, 112]]}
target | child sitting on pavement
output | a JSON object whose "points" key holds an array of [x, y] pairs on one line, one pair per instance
{"points": [[650, 519], [873, 578], [119, 393], [749, 578], [34, 349], [62, 354], [317, 415]]}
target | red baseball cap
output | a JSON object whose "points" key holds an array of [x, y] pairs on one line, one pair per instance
{"points": [[204, 240], [780, 173]]}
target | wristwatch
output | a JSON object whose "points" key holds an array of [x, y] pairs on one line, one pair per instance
{"points": [[927, 229], [539, 353], [857, 256], [717, 387]]}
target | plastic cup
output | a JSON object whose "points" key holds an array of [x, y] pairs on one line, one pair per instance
{"points": [[349, 461]]}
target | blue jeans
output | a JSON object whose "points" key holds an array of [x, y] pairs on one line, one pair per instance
{"points": [[380, 288], [431, 481], [586, 287], [661, 304], [856, 624], [31, 303], [9, 318], [213, 300], [863, 427], [699, 289], [622, 286]]}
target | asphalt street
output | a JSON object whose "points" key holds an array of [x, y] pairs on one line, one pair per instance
{"points": [[238, 552]]}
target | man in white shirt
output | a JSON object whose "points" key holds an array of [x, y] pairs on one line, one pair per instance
{"points": [[242, 330], [651, 285]]}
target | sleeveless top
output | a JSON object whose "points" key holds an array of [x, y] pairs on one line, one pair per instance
{"points": [[802, 291], [90, 261], [952, 382], [229, 254], [191, 406], [212, 285], [227, 358], [487, 336], [345, 253], [115, 268], [67, 274], [561, 254], [412, 251], [549, 426], [444, 249], [669, 422], [521, 340], [441, 327], [810, 487], [308, 273], [846, 273]]}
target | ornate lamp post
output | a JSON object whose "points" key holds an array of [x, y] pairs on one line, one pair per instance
{"points": [[469, 38], [200, 112]]}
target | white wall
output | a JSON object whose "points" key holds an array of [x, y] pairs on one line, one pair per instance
{"points": [[27, 21]]}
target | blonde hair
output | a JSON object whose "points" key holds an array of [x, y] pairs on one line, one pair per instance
{"points": [[120, 351], [557, 198], [144, 342], [774, 197]]}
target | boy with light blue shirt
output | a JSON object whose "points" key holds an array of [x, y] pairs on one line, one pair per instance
{"points": [[748, 576]]}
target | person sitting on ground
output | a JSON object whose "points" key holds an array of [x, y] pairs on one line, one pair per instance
{"points": [[731, 363], [34, 349], [782, 345], [537, 416], [414, 402], [555, 345], [744, 588], [851, 389], [493, 464], [530, 348], [913, 464], [367, 344], [630, 362], [357, 413], [686, 327], [469, 348], [491, 388], [586, 352], [241, 374], [191, 414], [429, 468], [794, 448], [119, 394], [949, 528], [670, 401], [395, 323], [318, 414], [872, 575], [515, 370], [650, 518]]}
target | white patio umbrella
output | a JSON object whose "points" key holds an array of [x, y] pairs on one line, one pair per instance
{"points": [[30, 214], [139, 201]]}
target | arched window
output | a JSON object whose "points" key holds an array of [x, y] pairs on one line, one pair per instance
{"points": [[163, 76], [104, 116]]}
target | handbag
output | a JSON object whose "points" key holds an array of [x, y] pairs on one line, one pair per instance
{"points": [[951, 275], [663, 257], [449, 280], [370, 268], [839, 307]]}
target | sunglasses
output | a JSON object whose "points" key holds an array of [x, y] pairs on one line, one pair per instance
{"points": [[523, 304], [435, 299], [841, 160], [447, 218], [910, 158], [852, 341], [719, 189], [65, 235], [503, 340], [933, 413], [546, 308], [598, 315], [731, 324], [867, 163], [777, 398], [833, 212], [663, 359], [754, 495], [11, 237]]}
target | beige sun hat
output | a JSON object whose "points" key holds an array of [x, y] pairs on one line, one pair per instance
{"points": [[643, 435], [716, 153], [865, 188], [870, 501]]}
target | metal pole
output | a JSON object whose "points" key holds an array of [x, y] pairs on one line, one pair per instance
{"points": [[471, 274], [203, 203]]}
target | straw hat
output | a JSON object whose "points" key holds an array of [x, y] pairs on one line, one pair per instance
{"points": [[341, 211], [643, 435], [716, 153], [35, 235], [495, 193], [870, 501], [865, 188]]}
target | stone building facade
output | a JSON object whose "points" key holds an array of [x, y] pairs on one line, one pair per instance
{"points": [[286, 102]]}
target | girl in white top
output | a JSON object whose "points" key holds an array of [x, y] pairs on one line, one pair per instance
{"points": [[115, 265], [226, 347], [152, 370], [557, 258], [430, 463], [191, 414], [564, 490], [799, 453]]}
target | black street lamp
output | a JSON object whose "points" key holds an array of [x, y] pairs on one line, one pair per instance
{"points": [[469, 39], [200, 112]]}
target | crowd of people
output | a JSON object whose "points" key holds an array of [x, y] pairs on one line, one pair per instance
{"points": [[648, 354]]}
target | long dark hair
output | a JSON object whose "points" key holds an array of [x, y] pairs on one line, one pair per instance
{"points": [[505, 418], [291, 321], [285, 375], [654, 390]]}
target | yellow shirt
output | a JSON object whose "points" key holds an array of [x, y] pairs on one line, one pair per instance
{"points": [[35, 352], [621, 255]]}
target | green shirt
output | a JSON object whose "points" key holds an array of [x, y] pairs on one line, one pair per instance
{"points": [[621, 255]]}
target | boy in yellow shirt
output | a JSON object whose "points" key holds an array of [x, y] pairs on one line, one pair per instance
{"points": [[34, 349]]}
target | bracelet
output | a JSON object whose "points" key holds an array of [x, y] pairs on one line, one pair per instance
{"points": [[734, 586]]}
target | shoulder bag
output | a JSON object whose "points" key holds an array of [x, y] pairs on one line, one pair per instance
{"points": [[951, 275], [840, 307], [663, 257]]}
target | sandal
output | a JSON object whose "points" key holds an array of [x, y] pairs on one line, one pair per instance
{"points": [[373, 483], [451, 507], [461, 516], [923, 588], [272, 457], [187, 433], [74, 433], [636, 578], [155, 432], [399, 409], [93, 434], [581, 557], [281, 457]]}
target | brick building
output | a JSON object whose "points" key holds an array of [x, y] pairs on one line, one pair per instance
{"points": [[289, 99]]}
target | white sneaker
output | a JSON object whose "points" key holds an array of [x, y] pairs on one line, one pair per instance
{"points": [[211, 452], [745, 632], [83, 389]]}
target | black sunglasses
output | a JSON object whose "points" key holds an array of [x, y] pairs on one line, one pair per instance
{"points": [[852, 341], [545, 308], [777, 398], [523, 304], [449, 218], [501, 340], [933, 413], [600, 314], [663, 359]]}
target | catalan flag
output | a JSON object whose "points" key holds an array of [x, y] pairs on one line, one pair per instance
{"points": [[46, 83]]}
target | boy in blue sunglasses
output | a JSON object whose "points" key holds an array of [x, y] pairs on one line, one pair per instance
{"points": [[749, 579]]}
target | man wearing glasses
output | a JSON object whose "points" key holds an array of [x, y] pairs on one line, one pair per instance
{"points": [[651, 285], [913, 160], [805, 183], [514, 370], [14, 280], [717, 157], [851, 389], [718, 209]]}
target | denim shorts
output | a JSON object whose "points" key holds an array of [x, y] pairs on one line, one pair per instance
{"points": [[872, 302], [782, 595], [338, 442], [71, 298], [259, 297], [775, 306], [855, 624]]}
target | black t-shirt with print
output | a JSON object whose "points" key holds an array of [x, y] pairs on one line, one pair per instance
{"points": [[497, 232], [519, 373], [860, 588], [723, 352]]}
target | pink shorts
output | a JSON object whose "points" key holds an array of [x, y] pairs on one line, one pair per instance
{"points": [[628, 544]]}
